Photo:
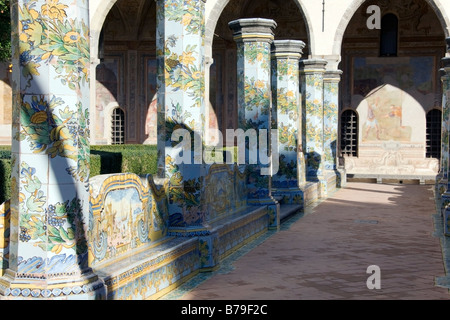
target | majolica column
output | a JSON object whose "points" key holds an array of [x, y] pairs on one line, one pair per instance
{"points": [[442, 178], [50, 153], [286, 118], [330, 126], [330, 117], [312, 72], [254, 38], [181, 108], [445, 165]]}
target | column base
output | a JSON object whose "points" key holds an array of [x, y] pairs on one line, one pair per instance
{"points": [[446, 216], [88, 286], [341, 177], [441, 187], [311, 193], [444, 202]]}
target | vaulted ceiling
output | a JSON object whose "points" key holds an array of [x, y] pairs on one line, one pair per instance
{"points": [[131, 20]]}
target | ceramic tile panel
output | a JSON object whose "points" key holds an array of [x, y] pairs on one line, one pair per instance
{"points": [[127, 213], [5, 231]]}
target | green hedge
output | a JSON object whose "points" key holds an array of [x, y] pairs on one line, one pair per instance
{"points": [[5, 179], [105, 159], [138, 159]]}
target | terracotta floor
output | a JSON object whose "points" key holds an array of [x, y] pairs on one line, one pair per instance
{"points": [[324, 255]]}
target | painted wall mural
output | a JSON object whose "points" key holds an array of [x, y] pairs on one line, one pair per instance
{"points": [[397, 91], [384, 119], [391, 96], [127, 213]]}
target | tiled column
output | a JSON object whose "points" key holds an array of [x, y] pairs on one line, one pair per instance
{"points": [[254, 38], [50, 153], [181, 105], [445, 163], [330, 127], [442, 178], [286, 118], [312, 72]]}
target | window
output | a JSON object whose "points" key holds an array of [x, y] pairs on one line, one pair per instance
{"points": [[389, 35], [349, 133], [118, 126], [434, 120]]}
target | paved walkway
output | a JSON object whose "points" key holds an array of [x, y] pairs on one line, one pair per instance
{"points": [[325, 253]]}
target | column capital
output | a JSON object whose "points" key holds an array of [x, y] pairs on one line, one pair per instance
{"points": [[313, 65], [447, 41], [253, 29], [446, 64], [332, 75], [287, 48], [443, 74]]}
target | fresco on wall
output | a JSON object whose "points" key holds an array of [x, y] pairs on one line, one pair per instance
{"points": [[384, 116], [407, 73], [151, 122], [395, 92], [391, 96]]}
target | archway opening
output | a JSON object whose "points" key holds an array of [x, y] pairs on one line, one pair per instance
{"points": [[126, 74], [391, 78], [223, 82]]}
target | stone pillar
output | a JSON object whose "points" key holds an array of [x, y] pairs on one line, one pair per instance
{"points": [[286, 118], [254, 38], [50, 153], [312, 72], [330, 128], [181, 105]]}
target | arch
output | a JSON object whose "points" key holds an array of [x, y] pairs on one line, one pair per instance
{"points": [[436, 6], [128, 28], [220, 5], [97, 20]]}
